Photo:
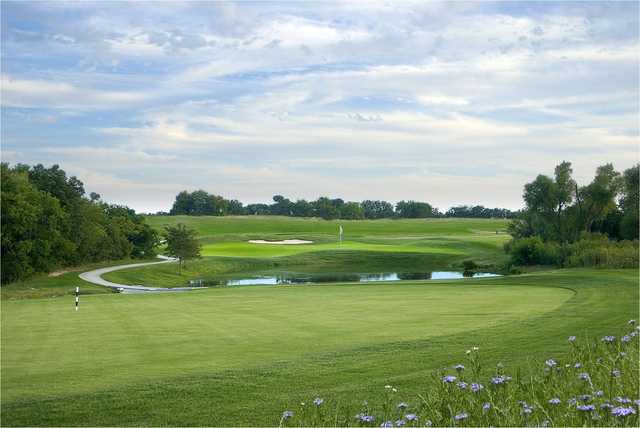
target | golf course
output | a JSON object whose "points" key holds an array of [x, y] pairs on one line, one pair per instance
{"points": [[240, 355]]}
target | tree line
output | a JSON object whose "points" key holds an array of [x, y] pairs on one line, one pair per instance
{"points": [[200, 202], [49, 222], [567, 224]]}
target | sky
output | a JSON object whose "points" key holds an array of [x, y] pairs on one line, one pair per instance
{"points": [[450, 103]]}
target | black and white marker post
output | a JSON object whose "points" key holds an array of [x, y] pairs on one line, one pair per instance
{"points": [[77, 297]]}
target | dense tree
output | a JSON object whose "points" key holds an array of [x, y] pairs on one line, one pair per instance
{"points": [[351, 211], [413, 209], [629, 224], [47, 222], [182, 243], [573, 224], [377, 209]]}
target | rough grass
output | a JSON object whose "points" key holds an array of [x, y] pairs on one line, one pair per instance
{"points": [[241, 356]]}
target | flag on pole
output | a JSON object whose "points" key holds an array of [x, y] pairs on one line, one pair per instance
{"points": [[77, 297], [340, 233]]}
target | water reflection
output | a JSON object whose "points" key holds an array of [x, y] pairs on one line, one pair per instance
{"points": [[298, 278]]}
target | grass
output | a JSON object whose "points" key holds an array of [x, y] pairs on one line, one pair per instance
{"points": [[239, 356], [64, 284], [369, 246]]}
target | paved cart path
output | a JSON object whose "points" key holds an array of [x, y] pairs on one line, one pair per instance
{"points": [[95, 277]]}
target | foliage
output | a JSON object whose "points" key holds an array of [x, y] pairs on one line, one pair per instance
{"points": [[533, 251], [47, 223], [596, 384], [182, 243], [201, 203], [596, 250], [558, 209]]}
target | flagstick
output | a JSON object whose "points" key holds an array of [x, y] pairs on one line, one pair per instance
{"points": [[77, 297]]}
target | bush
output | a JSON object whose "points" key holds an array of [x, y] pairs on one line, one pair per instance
{"points": [[533, 251], [595, 385], [596, 250], [469, 265]]}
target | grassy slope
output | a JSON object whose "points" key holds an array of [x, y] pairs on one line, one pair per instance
{"points": [[43, 285], [372, 246], [240, 356]]}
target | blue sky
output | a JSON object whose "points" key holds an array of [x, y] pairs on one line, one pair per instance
{"points": [[451, 103]]}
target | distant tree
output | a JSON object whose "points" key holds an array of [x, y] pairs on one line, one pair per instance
{"points": [[413, 209], [95, 197], [377, 209], [351, 211], [182, 244], [234, 207], [302, 208], [326, 208], [257, 209]]}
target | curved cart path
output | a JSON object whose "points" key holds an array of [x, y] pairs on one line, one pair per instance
{"points": [[95, 277]]}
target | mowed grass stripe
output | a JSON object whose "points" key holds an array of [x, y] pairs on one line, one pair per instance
{"points": [[116, 338]]}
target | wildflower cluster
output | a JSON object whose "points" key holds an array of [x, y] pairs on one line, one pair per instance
{"points": [[595, 384]]}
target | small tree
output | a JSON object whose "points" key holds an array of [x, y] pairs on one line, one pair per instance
{"points": [[182, 244]]}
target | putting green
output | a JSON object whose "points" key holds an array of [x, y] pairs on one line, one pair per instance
{"points": [[48, 349]]}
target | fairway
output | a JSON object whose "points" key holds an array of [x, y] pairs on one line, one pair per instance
{"points": [[118, 347]]}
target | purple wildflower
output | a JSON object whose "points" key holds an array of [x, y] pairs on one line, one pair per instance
{"points": [[637, 402], [462, 385], [571, 339], [608, 339], [599, 393], [632, 322], [449, 379], [621, 412], [626, 338], [555, 401], [459, 367], [551, 363], [318, 401], [500, 379], [586, 407], [386, 424], [365, 418], [287, 414], [577, 365], [476, 387], [622, 400], [402, 405], [584, 376], [633, 333], [428, 423], [599, 360], [486, 407], [585, 397], [606, 406], [461, 416], [411, 417], [400, 422], [615, 373], [572, 401]]}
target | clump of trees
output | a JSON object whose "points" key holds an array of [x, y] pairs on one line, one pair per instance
{"points": [[48, 222], [203, 203], [566, 224]]}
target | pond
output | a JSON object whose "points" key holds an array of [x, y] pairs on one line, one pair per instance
{"points": [[300, 278]]}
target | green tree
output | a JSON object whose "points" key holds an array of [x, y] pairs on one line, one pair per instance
{"points": [[351, 211], [182, 244], [629, 224]]}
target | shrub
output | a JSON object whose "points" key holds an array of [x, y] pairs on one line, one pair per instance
{"points": [[595, 385], [596, 250], [533, 251]]}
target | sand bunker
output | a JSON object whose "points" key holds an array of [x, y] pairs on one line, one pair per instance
{"points": [[285, 242]]}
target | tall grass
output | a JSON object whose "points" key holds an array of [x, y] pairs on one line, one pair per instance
{"points": [[596, 384]]}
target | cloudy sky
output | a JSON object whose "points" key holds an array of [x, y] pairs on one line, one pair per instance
{"points": [[451, 103]]}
